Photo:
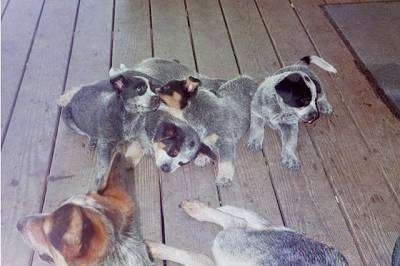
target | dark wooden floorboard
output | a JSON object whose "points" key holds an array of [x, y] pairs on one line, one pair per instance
{"points": [[28, 148], [188, 182], [15, 50], [346, 145], [72, 170], [132, 43], [313, 193]]}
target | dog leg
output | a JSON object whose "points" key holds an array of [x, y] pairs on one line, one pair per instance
{"points": [[252, 219], [226, 168], [134, 152], [203, 213], [163, 252], [256, 135], [289, 135], [104, 148]]}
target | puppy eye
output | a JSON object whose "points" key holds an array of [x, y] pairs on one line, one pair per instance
{"points": [[307, 78], [173, 153], [191, 144]]}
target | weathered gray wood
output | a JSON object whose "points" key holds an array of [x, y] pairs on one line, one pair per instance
{"points": [[171, 32], [4, 4], [72, 170], [353, 170], [132, 43], [132, 33], [189, 182], [27, 150], [251, 170], [17, 30], [313, 193]]}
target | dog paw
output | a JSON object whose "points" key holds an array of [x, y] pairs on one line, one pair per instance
{"points": [[223, 182], [291, 162], [325, 108], [226, 171], [202, 160], [255, 145], [195, 209]]}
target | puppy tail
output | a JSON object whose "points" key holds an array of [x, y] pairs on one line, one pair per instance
{"points": [[396, 253], [316, 60], [65, 98]]}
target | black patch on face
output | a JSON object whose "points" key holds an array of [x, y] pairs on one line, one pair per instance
{"points": [[178, 86], [294, 91], [306, 59], [135, 87], [171, 136], [46, 258], [317, 85]]}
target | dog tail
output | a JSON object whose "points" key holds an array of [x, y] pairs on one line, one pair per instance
{"points": [[396, 253], [316, 60], [65, 98]]}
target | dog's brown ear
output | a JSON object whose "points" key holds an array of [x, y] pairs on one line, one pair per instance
{"points": [[115, 173], [204, 149], [119, 83], [192, 84]]}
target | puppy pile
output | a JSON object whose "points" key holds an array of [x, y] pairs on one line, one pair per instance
{"points": [[162, 108]]}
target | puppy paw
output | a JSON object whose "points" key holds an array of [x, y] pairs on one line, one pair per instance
{"points": [[195, 209], [202, 160], [291, 162], [226, 170], [325, 108], [255, 145]]}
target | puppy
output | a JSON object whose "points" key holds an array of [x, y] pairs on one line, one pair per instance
{"points": [[292, 94], [99, 228], [220, 117], [100, 110], [249, 240], [172, 141]]}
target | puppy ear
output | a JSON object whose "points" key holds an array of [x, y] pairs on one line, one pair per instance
{"points": [[192, 84], [204, 149], [115, 173], [165, 131], [119, 83]]}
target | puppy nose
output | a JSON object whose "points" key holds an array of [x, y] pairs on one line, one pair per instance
{"points": [[21, 224], [165, 168]]}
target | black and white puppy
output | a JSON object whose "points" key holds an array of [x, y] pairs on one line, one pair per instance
{"points": [[294, 93], [248, 239], [100, 110], [172, 141]]}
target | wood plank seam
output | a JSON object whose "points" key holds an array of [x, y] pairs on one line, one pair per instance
{"points": [[347, 108], [5, 8], [7, 124], [230, 37], [191, 39], [151, 29], [112, 35]]}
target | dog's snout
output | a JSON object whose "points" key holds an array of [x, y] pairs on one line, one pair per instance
{"points": [[21, 224], [312, 117], [165, 168]]}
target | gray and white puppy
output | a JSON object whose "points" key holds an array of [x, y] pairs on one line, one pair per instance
{"points": [[172, 141], [248, 240], [99, 110], [220, 117], [292, 94]]}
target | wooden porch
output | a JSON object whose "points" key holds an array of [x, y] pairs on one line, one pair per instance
{"points": [[346, 194]]}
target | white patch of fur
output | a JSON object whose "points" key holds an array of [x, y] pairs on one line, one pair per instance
{"points": [[134, 152], [178, 113], [226, 171], [65, 98], [253, 220]]}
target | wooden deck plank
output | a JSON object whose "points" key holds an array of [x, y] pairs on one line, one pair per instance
{"points": [[15, 50], [4, 4], [353, 171], [251, 170], [171, 32], [313, 193], [188, 182], [132, 43], [72, 170], [28, 148]]}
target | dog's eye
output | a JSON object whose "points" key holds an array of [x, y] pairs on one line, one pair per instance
{"points": [[307, 78], [191, 144], [141, 90], [173, 153]]}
